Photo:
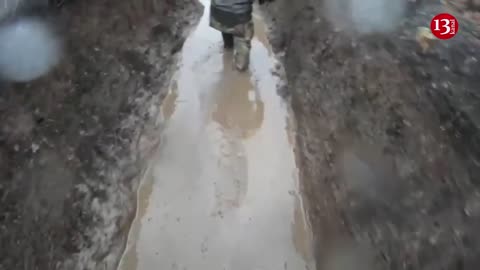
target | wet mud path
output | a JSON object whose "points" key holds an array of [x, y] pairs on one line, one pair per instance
{"points": [[222, 192]]}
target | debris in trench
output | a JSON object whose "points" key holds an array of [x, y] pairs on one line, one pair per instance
{"points": [[425, 38]]}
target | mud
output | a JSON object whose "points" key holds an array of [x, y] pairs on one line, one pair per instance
{"points": [[387, 139], [222, 191], [73, 144]]}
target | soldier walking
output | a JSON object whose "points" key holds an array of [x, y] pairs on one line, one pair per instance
{"points": [[233, 18]]}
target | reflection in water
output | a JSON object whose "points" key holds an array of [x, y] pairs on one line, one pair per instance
{"points": [[238, 110], [238, 106]]}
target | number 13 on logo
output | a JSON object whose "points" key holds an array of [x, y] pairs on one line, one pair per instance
{"points": [[444, 26]]}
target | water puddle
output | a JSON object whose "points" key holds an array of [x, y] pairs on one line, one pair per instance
{"points": [[222, 193]]}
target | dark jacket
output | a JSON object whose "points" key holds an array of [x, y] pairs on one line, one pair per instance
{"points": [[231, 12]]}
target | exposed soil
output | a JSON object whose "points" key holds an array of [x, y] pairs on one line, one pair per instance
{"points": [[388, 138], [73, 144]]}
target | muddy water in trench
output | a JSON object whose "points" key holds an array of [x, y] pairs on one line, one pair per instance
{"points": [[222, 192]]}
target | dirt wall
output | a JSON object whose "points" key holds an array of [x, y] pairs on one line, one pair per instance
{"points": [[387, 139], [73, 144]]}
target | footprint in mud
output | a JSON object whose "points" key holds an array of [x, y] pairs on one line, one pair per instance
{"points": [[231, 190]]}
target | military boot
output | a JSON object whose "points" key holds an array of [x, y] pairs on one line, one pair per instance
{"points": [[241, 55]]}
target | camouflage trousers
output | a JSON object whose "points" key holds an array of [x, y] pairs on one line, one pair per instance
{"points": [[243, 34]]}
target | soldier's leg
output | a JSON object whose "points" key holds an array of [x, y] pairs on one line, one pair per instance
{"points": [[243, 44], [227, 40]]}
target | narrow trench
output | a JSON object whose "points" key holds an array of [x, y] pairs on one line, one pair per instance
{"points": [[222, 192]]}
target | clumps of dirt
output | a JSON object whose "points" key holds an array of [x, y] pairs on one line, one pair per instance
{"points": [[469, 11], [468, 6], [387, 138], [73, 144]]}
